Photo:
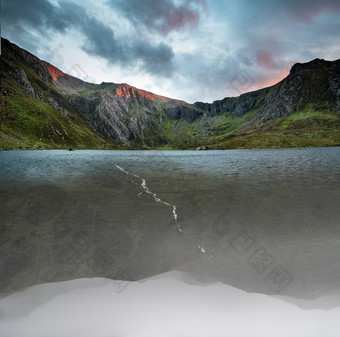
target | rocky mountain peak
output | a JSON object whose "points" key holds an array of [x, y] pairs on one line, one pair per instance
{"points": [[55, 72], [126, 90], [119, 112], [314, 64]]}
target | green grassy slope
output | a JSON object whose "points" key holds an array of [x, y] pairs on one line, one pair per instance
{"points": [[301, 129], [29, 123], [49, 121]]}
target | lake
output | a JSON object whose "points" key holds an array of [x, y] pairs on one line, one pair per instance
{"points": [[265, 221]]}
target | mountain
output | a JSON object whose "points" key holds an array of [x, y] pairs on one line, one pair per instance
{"points": [[42, 107]]}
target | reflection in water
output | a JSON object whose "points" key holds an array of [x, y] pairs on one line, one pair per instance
{"points": [[268, 220], [167, 305]]}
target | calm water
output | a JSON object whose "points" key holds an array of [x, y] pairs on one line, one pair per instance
{"points": [[261, 220]]}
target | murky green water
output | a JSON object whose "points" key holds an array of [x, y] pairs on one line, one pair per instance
{"points": [[261, 220]]}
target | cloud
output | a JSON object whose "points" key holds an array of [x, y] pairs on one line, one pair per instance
{"points": [[21, 11], [280, 12], [196, 47], [304, 10], [100, 39], [266, 38], [162, 16], [265, 58]]}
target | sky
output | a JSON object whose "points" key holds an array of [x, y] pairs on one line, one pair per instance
{"points": [[193, 50]]}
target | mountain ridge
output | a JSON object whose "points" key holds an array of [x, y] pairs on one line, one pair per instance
{"points": [[118, 115]]}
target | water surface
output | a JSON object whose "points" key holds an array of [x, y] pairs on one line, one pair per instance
{"points": [[261, 220]]}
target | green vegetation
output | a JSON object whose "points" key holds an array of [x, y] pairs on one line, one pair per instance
{"points": [[36, 115], [30, 123], [307, 113], [298, 130], [204, 131]]}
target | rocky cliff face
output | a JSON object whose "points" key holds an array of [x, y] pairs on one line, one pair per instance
{"points": [[19, 56], [124, 113], [315, 83], [117, 111], [237, 106]]}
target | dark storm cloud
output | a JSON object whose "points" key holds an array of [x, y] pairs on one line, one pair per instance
{"points": [[221, 42], [160, 55], [21, 15], [162, 16], [21, 11]]}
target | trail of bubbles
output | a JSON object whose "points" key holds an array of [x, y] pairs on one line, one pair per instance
{"points": [[154, 195], [120, 168], [146, 189]]}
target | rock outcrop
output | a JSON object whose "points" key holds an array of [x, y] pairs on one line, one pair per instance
{"points": [[315, 83], [122, 113]]}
